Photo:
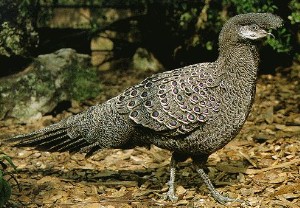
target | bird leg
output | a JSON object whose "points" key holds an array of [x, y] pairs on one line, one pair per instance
{"points": [[215, 194], [171, 192]]}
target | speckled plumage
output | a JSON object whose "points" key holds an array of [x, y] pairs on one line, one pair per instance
{"points": [[192, 111]]}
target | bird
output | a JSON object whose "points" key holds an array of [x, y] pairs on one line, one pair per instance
{"points": [[191, 111]]}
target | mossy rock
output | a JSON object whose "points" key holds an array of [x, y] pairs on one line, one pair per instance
{"points": [[50, 79]]}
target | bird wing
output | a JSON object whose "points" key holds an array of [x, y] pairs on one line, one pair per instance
{"points": [[174, 102]]}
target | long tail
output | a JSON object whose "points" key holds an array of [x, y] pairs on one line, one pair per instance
{"points": [[57, 137]]}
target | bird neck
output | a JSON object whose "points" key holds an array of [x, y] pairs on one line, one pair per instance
{"points": [[239, 60]]}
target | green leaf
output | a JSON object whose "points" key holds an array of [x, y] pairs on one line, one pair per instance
{"points": [[5, 192], [8, 159]]}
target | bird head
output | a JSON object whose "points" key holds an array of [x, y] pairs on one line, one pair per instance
{"points": [[245, 28]]}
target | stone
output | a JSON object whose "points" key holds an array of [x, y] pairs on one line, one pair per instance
{"points": [[37, 90], [143, 60]]}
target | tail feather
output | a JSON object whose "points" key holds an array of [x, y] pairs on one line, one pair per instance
{"points": [[78, 147], [92, 150], [41, 140], [47, 130], [70, 145], [55, 138], [55, 141]]}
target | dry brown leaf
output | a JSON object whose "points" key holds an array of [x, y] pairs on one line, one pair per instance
{"points": [[247, 157], [231, 169], [269, 117], [288, 128], [286, 164], [288, 189], [279, 178], [180, 190]]}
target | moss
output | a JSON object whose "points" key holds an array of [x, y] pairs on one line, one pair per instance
{"points": [[84, 83], [17, 32], [10, 40]]}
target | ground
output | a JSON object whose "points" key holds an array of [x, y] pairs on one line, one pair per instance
{"points": [[261, 165]]}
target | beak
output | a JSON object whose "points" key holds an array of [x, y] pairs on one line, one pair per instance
{"points": [[270, 34], [265, 33]]}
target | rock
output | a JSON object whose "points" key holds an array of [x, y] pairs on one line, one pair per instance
{"points": [[144, 60], [50, 79]]}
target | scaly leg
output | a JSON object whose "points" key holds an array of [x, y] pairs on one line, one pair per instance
{"points": [[171, 193], [215, 194]]}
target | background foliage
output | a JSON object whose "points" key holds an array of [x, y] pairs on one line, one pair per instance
{"points": [[5, 187], [194, 25], [185, 31]]}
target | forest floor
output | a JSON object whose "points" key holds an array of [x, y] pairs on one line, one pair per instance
{"points": [[261, 165]]}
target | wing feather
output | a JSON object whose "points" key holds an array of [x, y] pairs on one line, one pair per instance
{"points": [[175, 102]]}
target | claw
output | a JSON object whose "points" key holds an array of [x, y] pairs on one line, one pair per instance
{"points": [[170, 195], [224, 199], [215, 194]]}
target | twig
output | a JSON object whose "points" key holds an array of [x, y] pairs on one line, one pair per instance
{"points": [[286, 164]]}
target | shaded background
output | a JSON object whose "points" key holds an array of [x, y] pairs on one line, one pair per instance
{"points": [[176, 32]]}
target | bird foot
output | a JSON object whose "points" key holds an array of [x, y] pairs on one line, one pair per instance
{"points": [[170, 195], [215, 194], [224, 199]]}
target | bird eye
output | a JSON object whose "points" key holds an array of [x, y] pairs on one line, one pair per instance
{"points": [[254, 27]]}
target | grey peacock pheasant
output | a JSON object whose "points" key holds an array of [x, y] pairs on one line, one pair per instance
{"points": [[192, 111]]}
